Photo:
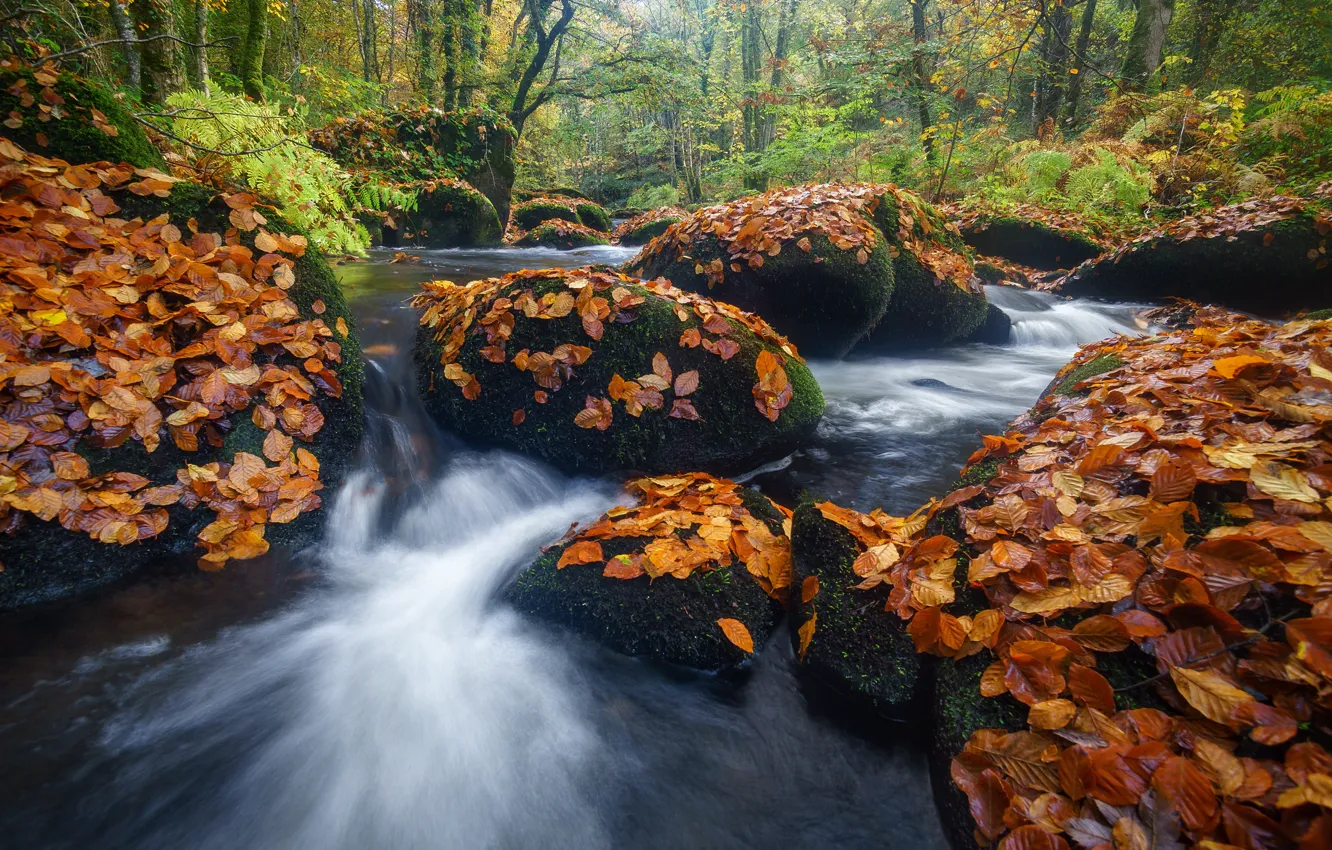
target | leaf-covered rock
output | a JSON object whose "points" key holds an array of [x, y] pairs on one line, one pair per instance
{"points": [[1029, 235], [58, 114], [1266, 256], [809, 259], [419, 143], [536, 211], [645, 227], [693, 574], [595, 371], [177, 372], [845, 642], [558, 233]]}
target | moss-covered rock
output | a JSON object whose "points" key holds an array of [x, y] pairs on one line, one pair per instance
{"points": [[1265, 256], [808, 259], [1035, 241], [859, 652], [666, 619], [84, 123], [531, 213], [594, 216], [998, 327], [642, 228], [44, 562], [536, 350], [558, 233], [449, 214]]}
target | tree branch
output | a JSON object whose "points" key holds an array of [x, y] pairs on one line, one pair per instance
{"points": [[96, 44]]}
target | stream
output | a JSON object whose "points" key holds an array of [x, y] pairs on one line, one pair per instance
{"points": [[372, 694]]}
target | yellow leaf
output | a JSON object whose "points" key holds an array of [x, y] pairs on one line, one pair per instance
{"points": [[1213, 696], [1051, 714], [806, 633], [1281, 481], [736, 633]]}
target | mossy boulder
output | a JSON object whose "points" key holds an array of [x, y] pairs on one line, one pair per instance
{"points": [[449, 214], [807, 259], [531, 213], [44, 562], [859, 652], [594, 216], [642, 228], [666, 619], [1040, 240], [937, 299], [558, 233], [84, 123], [1266, 256], [559, 364]]}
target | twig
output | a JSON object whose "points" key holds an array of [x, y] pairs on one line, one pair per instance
{"points": [[24, 12], [94, 45], [170, 135], [1209, 656]]}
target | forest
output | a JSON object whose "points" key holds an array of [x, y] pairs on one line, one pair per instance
{"points": [[666, 423]]}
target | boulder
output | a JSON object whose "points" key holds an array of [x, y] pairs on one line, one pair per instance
{"points": [[691, 575], [449, 214], [528, 214], [218, 438], [1030, 236], [998, 327], [808, 259], [1266, 256], [84, 122], [558, 233], [594, 216], [412, 144], [594, 371], [644, 227], [937, 299], [846, 643]]}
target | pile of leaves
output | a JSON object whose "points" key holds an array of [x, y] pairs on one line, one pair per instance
{"points": [[755, 228], [412, 143], [643, 219], [114, 331], [559, 231], [689, 523], [597, 296], [1231, 221], [1177, 511]]}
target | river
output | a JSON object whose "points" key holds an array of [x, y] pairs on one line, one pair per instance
{"points": [[373, 694]]}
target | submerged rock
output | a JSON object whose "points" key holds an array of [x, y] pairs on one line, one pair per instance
{"points": [[644, 227], [808, 259], [124, 446], [558, 233], [83, 122], [595, 371], [691, 575], [845, 641], [1266, 256]]}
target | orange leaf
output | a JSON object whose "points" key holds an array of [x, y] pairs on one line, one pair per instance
{"points": [[736, 632], [581, 552]]}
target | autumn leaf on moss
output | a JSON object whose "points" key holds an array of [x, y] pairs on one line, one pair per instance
{"points": [[737, 633]]}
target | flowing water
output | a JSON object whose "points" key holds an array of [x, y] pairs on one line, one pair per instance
{"points": [[373, 694]]}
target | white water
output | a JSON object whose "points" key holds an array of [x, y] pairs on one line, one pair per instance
{"points": [[401, 706]]}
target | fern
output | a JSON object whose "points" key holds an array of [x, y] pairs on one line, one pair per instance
{"points": [[1108, 185], [1043, 169]]}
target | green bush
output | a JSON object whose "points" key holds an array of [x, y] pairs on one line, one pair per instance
{"points": [[647, 197]]}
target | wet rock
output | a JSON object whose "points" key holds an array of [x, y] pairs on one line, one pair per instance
{"points": [[592, 215], [449, 214], [1041, 240], [858, 652], [560, 364], [666, 619], [558, 233], [1265, 256], [644, 227], [998, 327], [535, 212], [46, 562]]}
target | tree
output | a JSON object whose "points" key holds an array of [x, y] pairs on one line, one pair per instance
{"points": [[159, 49], [1080, 60], [128, 48], [252, 49], [921, 82], [545, 39], [1146, 46]]}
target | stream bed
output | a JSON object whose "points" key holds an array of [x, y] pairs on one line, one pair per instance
{"points": [[372, 694]]}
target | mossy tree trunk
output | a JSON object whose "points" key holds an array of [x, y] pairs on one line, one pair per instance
{"points": [[1146, 45], [125, 32], [198, 67], [421, 14], [921, 83], [1056, 27], [1080, 61], [159, 51], [252, 50]]}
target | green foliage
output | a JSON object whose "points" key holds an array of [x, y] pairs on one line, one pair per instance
{"points": [[648, 197], [1043, 170], [267, 152], [1108, 185], [1292, 131]]}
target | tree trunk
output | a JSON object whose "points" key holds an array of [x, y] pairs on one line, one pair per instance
{"points": [[423, 17], [524, 104], [162, 66], [125, 32], [781, 50], [1056, 27], [198, 69], [922, 77], [751, 111], [1209, 26], [1080, 61], [252, 49], [1146, 47], [369, 71]]}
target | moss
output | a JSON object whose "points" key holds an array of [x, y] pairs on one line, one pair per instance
{"points": [[44, 562], [824, 300], [646, 233], [1031, 243], [668, 620], [1269, 276], [74, 137], [733, 436], [593, 216], [1067, 385], [557, 234], [452, 216], [925, 311], [1317, 315], [859, 652], [530, 214]]}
